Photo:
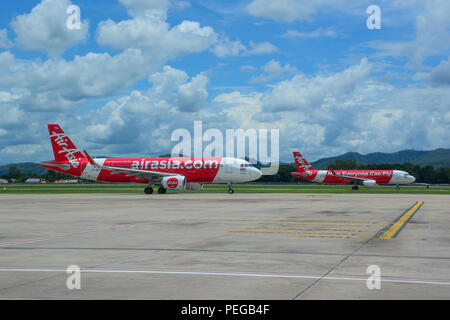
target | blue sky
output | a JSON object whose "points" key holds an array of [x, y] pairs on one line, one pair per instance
{"points": [[137, 70]]}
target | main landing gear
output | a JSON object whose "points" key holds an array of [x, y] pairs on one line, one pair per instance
{"points": [[149, 190], [161, 190], [355, 187], [230, 190]]}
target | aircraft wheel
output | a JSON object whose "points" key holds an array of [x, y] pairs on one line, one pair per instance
{"points": [[148, 190], [355, 187], [161, 190], [230, 189]]}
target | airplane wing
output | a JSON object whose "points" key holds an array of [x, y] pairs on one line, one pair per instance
{"points": [[354, 180], [142, 174]]}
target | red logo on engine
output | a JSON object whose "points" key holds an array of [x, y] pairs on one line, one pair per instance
{"points": [[172, 183]]}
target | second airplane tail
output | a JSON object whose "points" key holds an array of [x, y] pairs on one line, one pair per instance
{"points": [[303, 165]]}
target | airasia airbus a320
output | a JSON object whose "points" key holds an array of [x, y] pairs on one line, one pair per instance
{"points": [[367, 178], [176, 173]]}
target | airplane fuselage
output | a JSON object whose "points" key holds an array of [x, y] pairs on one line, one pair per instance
{"points": [[199, 170], [379, 176], [367, 178]]}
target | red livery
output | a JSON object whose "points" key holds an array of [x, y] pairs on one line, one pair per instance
{"points": [[168, 173], [367, 178]]}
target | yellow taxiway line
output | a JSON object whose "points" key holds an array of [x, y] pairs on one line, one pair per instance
{"points": [[400, 223]]}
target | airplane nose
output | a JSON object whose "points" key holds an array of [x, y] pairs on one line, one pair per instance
{"points": [[412, 179], [256, 173]]}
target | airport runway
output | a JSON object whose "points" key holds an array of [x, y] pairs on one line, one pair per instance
{"points": [[221, 246]]}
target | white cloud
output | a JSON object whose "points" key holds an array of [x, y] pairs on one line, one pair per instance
{"points": [[147, 7], [155, 37], [321, 114], [282, 10], [291, 10], [5, 43], [55, 89], [92, 75], [274, 70], [192, 95], [303, 92], [441, 74], [44, 28], [226, 48], [432, 35], [350, 111], [318, 33], [260, 48]]}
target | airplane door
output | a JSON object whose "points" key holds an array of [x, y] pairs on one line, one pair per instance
{"points": [[321, 175]]}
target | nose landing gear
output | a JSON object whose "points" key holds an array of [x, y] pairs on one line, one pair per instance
{"points": [[230, 190]]}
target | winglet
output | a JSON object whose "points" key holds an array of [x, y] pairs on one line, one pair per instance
{"points": [[91, 161]]}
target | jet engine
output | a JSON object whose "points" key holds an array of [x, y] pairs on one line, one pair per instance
{"points": [[194, 186], [369, 183], [174, 183]]}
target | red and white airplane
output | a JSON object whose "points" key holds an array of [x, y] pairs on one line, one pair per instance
{"points": [[177, 173], [367, 178]]}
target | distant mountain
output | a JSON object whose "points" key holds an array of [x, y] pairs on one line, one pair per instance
{"points": [[25, 167], [435, 158]]}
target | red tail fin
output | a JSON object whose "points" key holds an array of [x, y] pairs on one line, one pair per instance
{"points": [[63, 147], [302, 165]]}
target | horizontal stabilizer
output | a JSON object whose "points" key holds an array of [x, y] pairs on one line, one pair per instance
{"points": [[62, 166]]}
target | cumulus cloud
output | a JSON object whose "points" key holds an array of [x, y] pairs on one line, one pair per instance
{"points": [[142, 121], [226, 48], [192, 95], [55, 89], [441, 74], [45, 28], [364, 117], [318, 33], [5, 43], [282, 10], [92, 75], [147, 43], [155, 37], [432, 35], [351, 111], [174, 85], [274, 70], [291, 10], [147, 7], [303, 92], [322, 114]]}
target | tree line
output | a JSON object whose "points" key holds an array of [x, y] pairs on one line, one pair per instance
{"points": [[50, 176]]}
